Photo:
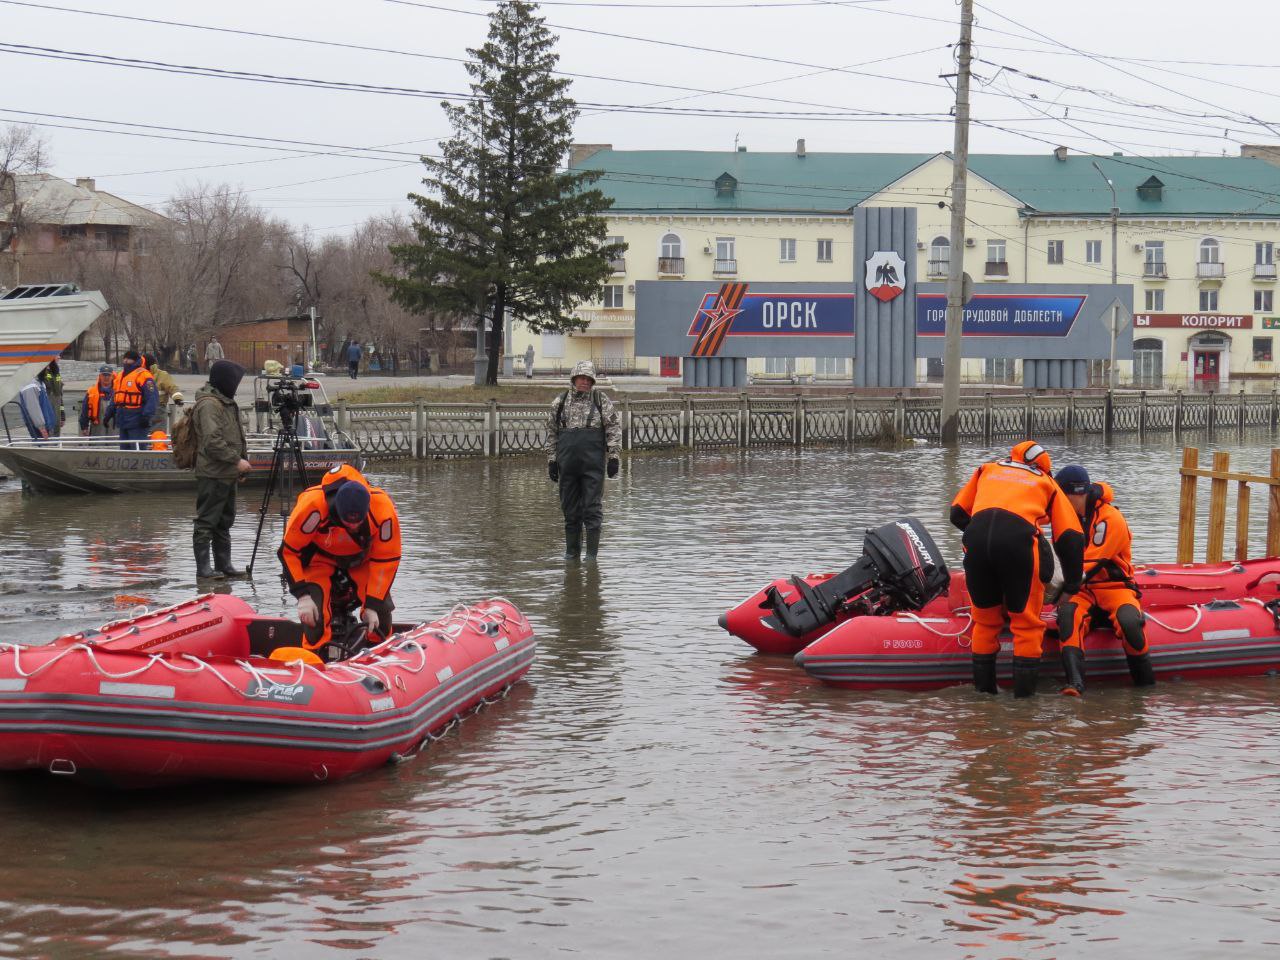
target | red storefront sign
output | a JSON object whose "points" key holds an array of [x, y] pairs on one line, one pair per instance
{"points": [[1199, 321]]}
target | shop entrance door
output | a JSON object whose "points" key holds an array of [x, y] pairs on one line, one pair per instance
{"points": [[1207, 365]]}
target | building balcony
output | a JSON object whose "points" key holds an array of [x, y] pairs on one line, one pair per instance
{"points": [[1211, 271], [725, 266], [1155, 271], [1264, 271], [618, 266], [996, 268], [671, 266], [939, 268]]}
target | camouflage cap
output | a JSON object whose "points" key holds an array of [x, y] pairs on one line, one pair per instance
{"points": [[583, 368]]}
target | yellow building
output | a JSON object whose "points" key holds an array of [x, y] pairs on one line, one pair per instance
{"points": [[1194, 236]]}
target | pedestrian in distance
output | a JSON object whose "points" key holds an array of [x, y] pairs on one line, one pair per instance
{"points": [[212, 352], [584, 444], [36, 409], [1007, 562], [51, 377], [528, 362], [353, 360], [94, 412], [192, 364], [1109, 591], [221, 463], [134, 401]]}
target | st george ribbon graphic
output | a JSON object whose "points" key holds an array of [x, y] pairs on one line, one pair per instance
{"points": [[734, 312]]}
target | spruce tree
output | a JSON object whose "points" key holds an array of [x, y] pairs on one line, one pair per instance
{"points": [[501, 226]]}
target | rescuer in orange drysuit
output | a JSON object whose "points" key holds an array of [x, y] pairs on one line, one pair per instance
{"points": [[344, 524], [1109, 590], [1007, 562]]}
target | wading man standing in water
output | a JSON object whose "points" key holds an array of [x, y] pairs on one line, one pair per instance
{"points": [[584, 443]]}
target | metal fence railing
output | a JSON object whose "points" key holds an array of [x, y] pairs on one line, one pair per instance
{"points": [[426, 430]]}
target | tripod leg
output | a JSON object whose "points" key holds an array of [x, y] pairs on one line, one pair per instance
{"points": [[273, 476]]}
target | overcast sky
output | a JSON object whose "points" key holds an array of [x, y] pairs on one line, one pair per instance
{"points": [[872, 57]]}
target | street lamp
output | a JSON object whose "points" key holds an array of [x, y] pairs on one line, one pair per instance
{"points": [[1115, 310]]}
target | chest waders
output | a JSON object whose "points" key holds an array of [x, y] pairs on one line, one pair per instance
{"points": [[581, 454]]}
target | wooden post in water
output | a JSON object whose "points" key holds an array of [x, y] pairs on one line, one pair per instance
{"points": [[1273, 508], [1187, 506], [1217, 508], [1242, 520]]}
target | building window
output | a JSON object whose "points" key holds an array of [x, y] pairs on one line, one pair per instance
{"points": [[824, 251], [613, 297], [1264, 252], [726, 261], [1209, 250], [939, 257], [787, 249], [780, 365], [1000, 369], [1153, 259], [995, 251], [1262, 301], [619, 263], [1262, 349], [1055, 251], [1093, 251], [552, 346], [1155, 300], [671, 247], [1208, 301], [831, 366], [1148, 362]]}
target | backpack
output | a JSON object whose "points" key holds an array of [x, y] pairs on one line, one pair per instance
{"points": [[184, 439]]}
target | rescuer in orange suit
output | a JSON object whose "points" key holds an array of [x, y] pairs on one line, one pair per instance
{"points": [[1109, 590], [1006, 561], [342, 523]]}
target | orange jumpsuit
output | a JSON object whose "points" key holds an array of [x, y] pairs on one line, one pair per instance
{"points": [[1001, 510], [1109, 588], [317, 545]]}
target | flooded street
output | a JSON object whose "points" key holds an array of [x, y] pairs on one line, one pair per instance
{"points": [[656, 789]]}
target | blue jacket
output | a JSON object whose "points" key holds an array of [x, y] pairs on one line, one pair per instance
{"points": [[35, 395], [353, 353]]}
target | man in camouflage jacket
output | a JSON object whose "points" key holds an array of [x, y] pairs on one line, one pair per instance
{"points": [[584, 443]]}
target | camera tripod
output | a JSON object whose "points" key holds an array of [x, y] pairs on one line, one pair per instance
{"points": [[288, 476]]}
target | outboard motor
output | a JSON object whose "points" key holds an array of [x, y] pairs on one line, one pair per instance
{"points": [[900, 568]]}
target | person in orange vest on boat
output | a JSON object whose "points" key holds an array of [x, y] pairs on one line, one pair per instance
{"points": [[1109, 590], [97, 402], [1007, 561], [341, 524], [134, 400]]}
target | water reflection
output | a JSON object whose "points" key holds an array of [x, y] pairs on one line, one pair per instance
{"points": [[655, 788]]}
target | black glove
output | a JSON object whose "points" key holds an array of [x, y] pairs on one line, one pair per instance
{"points": [[553, 471], [611, 468]]}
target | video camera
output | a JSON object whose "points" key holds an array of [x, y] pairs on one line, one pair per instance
{"points": [[901, 568], [286, 396]]}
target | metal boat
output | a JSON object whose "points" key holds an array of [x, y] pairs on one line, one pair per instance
{"points": [[100, 465], [38, 322]]}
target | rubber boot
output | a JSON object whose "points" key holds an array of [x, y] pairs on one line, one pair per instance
{"points": [[593, 544], [1026, 673], [572, 542], [1140, 670], [1073, 669], [222, 560], [984, 673], [204, 569]]}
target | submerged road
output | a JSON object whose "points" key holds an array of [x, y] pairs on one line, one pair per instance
{"points": [[656, 789]]}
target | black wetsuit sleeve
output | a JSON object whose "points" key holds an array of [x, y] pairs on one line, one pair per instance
{"points": [[1070, 550], [959, 517]]}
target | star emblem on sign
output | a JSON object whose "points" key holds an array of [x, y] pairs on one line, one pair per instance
{"points": [[717, 316]]}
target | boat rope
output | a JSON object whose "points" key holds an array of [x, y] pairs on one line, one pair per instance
{"points": [[924, 622], [454, 722], [1194, 623]]}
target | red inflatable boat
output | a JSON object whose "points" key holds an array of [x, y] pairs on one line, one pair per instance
{"points": [[916, 651], [190, 693], [1162, 584]]}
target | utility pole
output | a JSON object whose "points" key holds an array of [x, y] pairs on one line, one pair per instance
{"points": [[951, 357], [1112, 379]]}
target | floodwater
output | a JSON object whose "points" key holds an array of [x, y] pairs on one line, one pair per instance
{"points": [[655, 789]]}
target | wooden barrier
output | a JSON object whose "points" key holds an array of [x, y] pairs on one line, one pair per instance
{"points": [[1220, 477]]}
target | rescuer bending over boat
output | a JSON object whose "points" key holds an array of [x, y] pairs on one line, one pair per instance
{"points": [[1001, 510], [1109, 590], [341, 527]]}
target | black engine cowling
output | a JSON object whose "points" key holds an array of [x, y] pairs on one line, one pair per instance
{"points": [[900, 568]]}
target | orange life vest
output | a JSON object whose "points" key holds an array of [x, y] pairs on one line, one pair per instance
{"points": [[1110, 542], [93, 400], [129, 386], [159, 440]]}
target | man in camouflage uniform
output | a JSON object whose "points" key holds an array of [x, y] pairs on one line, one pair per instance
{"points": [[584, 443]]}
